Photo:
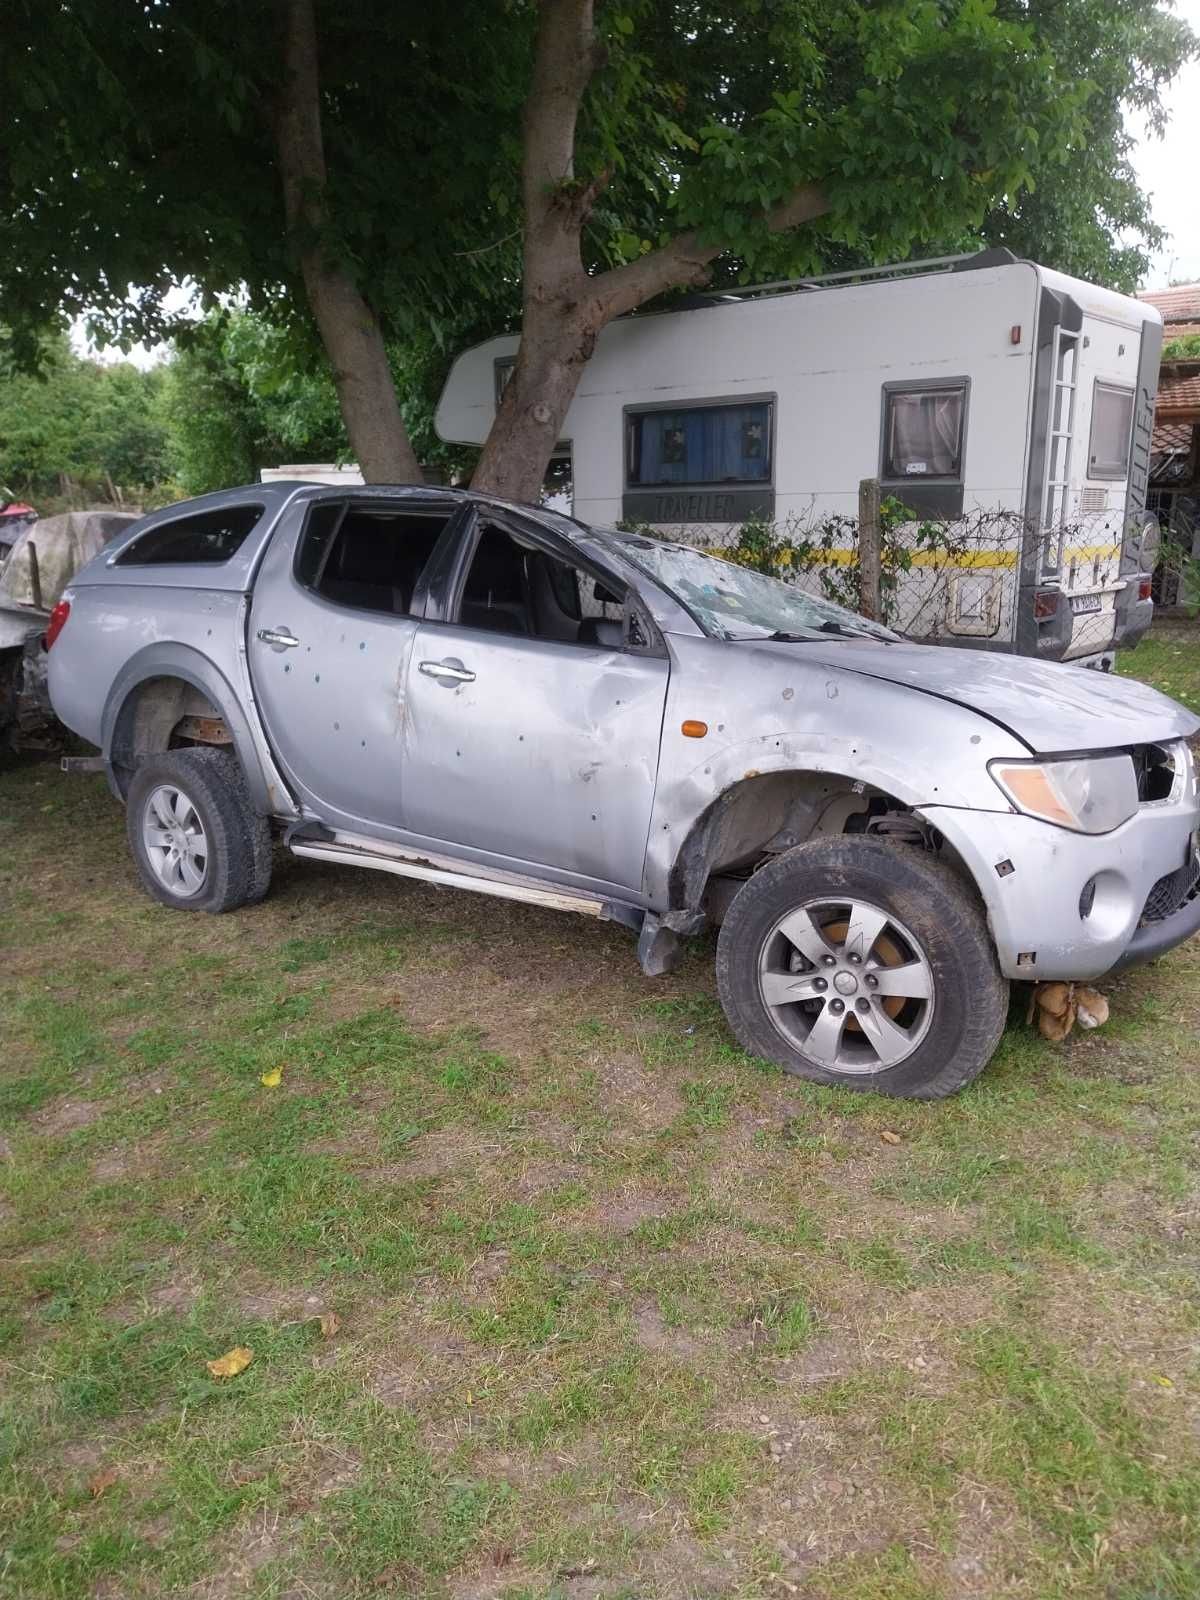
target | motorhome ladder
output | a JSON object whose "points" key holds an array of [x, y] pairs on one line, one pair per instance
{"points": [[1057, 480]]}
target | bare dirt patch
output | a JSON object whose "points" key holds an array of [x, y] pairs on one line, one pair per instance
{"points": [[627, 1209], [66, 1114], [646, 1099], [180, 1295], [280, 1303], [654, 1333], [416, 1366], [438, 1154], [243, 1554]]}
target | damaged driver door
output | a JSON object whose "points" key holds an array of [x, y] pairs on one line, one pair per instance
{"points": [[534, 713]]}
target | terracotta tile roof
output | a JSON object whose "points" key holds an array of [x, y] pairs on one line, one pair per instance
{"points": [[1171, 436], [1178, 390], [1181, 304]]}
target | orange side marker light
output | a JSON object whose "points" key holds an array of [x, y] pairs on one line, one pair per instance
{"points": [[691, 729]]}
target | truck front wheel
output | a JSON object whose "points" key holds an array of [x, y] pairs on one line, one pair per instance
{"points": [[856, 962], [195, 837]]}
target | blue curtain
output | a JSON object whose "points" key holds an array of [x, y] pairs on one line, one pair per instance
{"points": [[710, 444]]}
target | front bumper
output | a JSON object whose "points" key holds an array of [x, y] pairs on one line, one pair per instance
{"points": [[1033, 878], [1156, 938]]}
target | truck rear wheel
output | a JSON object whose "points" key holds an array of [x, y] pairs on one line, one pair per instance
{"points": [[868, 965], [195, 837]]}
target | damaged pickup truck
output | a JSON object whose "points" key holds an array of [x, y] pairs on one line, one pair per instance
{"points": [[495, 698]]}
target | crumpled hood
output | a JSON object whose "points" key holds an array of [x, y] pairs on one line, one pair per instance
{"points": [[1051, 707]]}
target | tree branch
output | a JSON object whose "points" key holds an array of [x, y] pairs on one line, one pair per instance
{"points": [[684, 261]]}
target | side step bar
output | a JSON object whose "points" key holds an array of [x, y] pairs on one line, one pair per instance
{"points": [[437, 870]]}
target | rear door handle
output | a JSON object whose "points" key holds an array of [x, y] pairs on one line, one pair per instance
{"points": [[278, 638], [448, 672]]}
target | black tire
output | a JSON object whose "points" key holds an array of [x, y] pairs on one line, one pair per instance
{"points": [[237, 841], [968, 1001]]}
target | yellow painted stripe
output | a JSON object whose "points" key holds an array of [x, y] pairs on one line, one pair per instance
{"points": [[969, 559], [1086, 552]]}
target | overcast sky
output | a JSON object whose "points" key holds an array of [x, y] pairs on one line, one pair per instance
{"points": [[1169, 169]]}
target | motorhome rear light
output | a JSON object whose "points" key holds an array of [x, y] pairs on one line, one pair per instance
{"points": [[1014, 333], [1144, 589], [58, 621], [1045, 604]]}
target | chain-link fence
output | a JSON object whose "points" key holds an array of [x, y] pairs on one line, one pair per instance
{"points": [[962, 580]]}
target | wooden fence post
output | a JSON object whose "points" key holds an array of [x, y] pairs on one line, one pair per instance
{"points": [[869, 539]]}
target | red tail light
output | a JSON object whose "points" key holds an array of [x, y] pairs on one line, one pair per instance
{"points": [[1045, 603], [1144, 589], [58, 621]]}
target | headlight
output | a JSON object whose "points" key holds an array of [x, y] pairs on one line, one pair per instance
{"points": [[1091, 794]]}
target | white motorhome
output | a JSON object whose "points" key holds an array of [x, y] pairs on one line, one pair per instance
{"points": [[965, 385]]}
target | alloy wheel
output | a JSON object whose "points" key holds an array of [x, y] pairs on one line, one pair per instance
{"points": [[175, 842], [847, 984]]}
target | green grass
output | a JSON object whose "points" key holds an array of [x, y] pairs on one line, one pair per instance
{"points": [[1169, 658], [621, 1312]]}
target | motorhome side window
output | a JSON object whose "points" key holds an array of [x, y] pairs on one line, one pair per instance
{"points": [[718, 444], [923, 432], [1112, 426]]}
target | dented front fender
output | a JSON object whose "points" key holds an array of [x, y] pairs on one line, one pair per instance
{"points": [[803, 716]]}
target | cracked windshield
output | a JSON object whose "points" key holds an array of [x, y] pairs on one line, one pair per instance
{"points": [[732, 602]]}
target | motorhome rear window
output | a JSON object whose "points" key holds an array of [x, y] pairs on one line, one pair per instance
{"points": [[206, 539], [1112, 426], [923, 430], [700, 445]]}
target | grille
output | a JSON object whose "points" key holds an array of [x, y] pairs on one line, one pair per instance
{"points": [[1173, 891]]}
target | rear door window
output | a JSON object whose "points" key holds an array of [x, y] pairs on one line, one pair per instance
{"points": [[207, 538], [368, 558]]}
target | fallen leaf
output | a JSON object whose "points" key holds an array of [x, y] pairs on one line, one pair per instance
{"points": [[1163, 1382], [272, 1079], [330, 1323], [889, 1137], [231, 1363], [101, 1481]]}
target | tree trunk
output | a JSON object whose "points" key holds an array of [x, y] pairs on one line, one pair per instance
{"points": [[347, 325], [554, 349], [564, 308]]}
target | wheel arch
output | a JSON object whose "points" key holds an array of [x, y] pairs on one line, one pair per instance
{"points": [[764, 813], [149, 696]]}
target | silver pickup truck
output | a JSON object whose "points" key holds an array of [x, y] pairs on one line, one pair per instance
{"points": [[496, 698]]}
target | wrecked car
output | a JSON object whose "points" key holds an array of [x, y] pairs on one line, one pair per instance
{"points": [[496, 698], [34, 570]]}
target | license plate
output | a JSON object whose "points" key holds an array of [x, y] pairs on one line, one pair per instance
{"points": [[1083, 604]]}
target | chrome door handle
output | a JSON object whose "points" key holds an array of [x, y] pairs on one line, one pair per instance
{"points": [[448, 672], [278, 638]]}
